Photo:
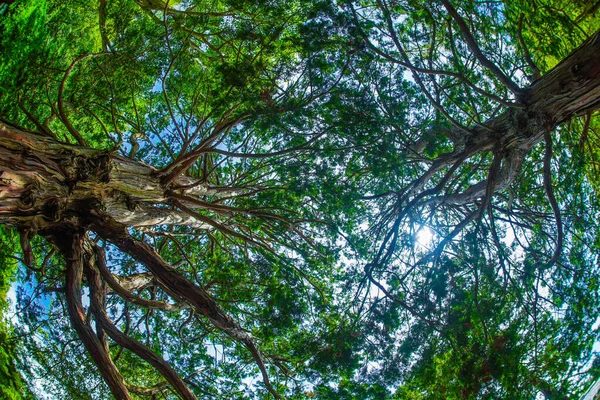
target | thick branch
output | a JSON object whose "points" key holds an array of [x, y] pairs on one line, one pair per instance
{"points": [[72, 248], [571, 88], [94, 281], [145, 215], [195, 295]]}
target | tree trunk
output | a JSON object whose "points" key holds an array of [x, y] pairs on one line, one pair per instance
{"points": [[43, 182], [570, 89], [60, 191]]}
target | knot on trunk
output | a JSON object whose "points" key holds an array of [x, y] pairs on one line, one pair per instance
{"points": [[79, 168], [53, 208], [524, 128], [29, 197]]}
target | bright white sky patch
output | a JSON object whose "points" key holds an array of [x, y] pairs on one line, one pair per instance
{"points": [[11, 296], [424, 237]]}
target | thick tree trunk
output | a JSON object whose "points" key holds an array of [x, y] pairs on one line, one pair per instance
{"points": [[571, 88], [43, 182]]}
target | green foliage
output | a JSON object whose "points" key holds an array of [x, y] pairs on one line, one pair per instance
{"points": [[11, 384]]}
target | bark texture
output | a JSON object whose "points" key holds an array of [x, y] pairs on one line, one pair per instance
{"points": [[43, 181], [570, 89]]}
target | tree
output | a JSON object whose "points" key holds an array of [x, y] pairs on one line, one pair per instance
{"points": [[188, 79], [181, 175], [470, 171]]}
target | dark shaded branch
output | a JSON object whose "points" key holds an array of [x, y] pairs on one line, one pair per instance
{"points": [[102, 25], [552, 200], [491, 184], [412, 310], [72, 248], [417, 78], [195, 295], [171, 172], [25, 236], [94, 281], [220, 227], [588, 12], [536, 71], [41, 127], [303, 147], [431, 71]]}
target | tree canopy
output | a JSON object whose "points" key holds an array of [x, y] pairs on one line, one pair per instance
{"points": [[299, 199]]}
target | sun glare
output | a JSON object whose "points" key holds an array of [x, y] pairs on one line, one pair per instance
{"points": [[424, 237]]}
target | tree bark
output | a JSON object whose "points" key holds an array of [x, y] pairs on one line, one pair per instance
{"points": [[570, 89], [49, 187], [43, 181]]}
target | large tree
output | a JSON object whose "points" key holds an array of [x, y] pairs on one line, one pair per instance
{"points": [[202, 229], [353, 200], [487, 240]]}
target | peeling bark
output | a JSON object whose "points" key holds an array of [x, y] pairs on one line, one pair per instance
{"points": [[570, 89], [60, 191], [43, 181]]}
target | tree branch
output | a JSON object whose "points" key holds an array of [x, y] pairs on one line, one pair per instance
{"points": [[94, 282], [512, 86], [126, 294], [72, 248], [61, 109], [195, 295], [552, 200]]}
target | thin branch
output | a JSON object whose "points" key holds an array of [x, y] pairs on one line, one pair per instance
{"points": [[61, 109], [512, 86], [121, 291], [552, 200], [172, 171]]}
